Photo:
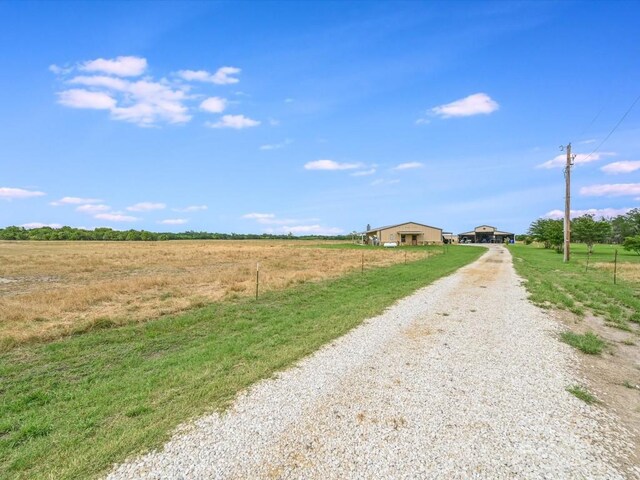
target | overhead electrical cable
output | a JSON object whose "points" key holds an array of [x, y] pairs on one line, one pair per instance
{"points": [[614, 128]]}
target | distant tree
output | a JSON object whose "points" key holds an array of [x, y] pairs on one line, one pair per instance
{"points": [[632, 244], [621, 228], [586, 229], [549, 232]]}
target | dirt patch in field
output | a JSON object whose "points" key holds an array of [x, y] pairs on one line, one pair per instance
{"points": [[50, 289], [614, 375]]}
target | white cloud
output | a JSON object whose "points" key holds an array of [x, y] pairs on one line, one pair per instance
{"points": [[174, 221], [580, 158], [9, 193], [271, 219], [93, 209], [121, 66], [146, 207], [330, 165], [214, 105], [191, 208], [58, 70], [621, 167], [74, 201], [611, 190], [276, 146], [233, 121], [31, 225], [476, 104], [223, 76], [596, 212], [115, 217], [312, 230], [111, 83], [289, 100], [380, 181], [152, 102], [260, 217], [364, 173], [80, 98], [408, 166], [423, 121]]}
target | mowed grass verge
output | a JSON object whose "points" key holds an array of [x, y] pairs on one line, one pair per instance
{"points": [[567, 286], [73, 407]]}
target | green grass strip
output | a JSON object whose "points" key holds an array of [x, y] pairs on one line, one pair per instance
{"points": [[582, 393], [570, 286], [588, 343], [73, 407]]}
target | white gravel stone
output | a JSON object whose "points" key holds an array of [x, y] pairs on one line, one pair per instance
{"points": [[463, 379]]}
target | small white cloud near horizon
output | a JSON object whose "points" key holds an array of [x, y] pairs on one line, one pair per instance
{"points": [[115, 217], [74, 201], [258, 216], [10, 193], [213, 105], [364, 173], [222, 76], [311, 230], [276, 146], [611, 190], [93, 208], [174, 221], [31, 225], [146, 207], [381, 181], [233, 121], [408, 166], [580, 159], [330, 165], [124, 66], [272, 219], [625, 166], [596, 212], [476, 104], [191, 208]]}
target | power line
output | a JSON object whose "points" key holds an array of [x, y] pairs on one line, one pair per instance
{"points": [[614, 128]]}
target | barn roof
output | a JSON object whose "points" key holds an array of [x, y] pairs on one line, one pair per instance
{"points": [[398, 224]]}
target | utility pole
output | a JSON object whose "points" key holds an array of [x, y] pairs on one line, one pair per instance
{"points": [[567, 205]]}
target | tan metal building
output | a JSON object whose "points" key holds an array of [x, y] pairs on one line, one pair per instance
{"points": [[410, 233], [485, 234]]}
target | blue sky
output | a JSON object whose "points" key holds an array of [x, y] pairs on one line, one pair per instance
{"points": [[314, 117]]}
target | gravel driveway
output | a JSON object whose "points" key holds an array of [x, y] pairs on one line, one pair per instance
{"points": [[463, 379]]}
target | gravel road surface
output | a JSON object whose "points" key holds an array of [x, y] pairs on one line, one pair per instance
{"points": [[463, 379]]}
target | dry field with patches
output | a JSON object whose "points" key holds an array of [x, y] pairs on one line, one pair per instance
{"points": [[52, 289], [625, 270]]}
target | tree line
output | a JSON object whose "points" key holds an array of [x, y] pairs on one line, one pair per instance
{"points": [[623, 230], [108, 234]]}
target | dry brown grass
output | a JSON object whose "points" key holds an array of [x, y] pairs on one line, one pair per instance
{"points": [[51, 289], [625, 270]]}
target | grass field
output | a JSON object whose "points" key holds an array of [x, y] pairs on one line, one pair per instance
{"points": [[571, 286], [51, 289], [71, 407]]}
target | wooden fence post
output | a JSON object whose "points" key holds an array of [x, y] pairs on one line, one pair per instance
{"points": [[257, 278], [588, 257]]}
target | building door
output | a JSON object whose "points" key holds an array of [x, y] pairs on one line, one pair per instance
{"points": [[414, 239]]}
